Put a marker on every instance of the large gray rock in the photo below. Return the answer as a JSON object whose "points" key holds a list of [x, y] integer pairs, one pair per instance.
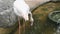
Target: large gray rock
{"points": [[7, 16]]}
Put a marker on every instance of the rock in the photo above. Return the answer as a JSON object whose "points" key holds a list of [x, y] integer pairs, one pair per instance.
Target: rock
{"points": [[7, 16], [8, 19]]}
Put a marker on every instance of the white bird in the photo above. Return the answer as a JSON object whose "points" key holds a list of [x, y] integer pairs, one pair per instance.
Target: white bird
{"points": [[22, 10]]}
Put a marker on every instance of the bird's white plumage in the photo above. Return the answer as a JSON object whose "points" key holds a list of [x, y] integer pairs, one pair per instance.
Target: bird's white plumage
{"points": [[22, 9]]}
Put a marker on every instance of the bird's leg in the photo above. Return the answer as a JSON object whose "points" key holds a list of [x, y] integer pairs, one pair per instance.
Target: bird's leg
{"points": [[19, 24], [31, 18]]}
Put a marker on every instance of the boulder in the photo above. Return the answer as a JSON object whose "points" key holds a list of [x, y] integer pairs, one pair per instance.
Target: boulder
{"points": [[8, 19]]}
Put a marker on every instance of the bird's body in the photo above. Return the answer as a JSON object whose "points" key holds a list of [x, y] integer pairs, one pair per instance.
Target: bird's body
{"points": [[22, 9]]}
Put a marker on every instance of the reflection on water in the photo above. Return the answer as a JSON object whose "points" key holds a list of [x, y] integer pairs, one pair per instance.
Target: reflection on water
{"points": [[55, 16], [58, 27]]}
